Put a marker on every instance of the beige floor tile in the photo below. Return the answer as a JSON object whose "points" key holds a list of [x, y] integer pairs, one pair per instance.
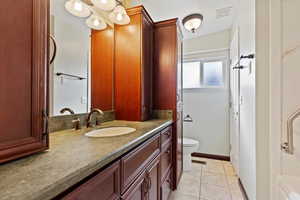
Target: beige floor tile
{"points": [[226, 163], [212, 192], [229, 170], [233, 183], [199, 158], [214, 179], [189, 185], [237, 195], [179, 196], [214, 168]]}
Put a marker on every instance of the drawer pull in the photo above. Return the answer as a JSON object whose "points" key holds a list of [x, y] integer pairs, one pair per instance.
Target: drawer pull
{"points": [[168, 152]]}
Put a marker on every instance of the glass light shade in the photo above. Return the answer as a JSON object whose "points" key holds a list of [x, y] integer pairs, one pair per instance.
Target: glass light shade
{"points": [[119, 16], [106, 5], [77, 8], [96, 22], [192, 22]]}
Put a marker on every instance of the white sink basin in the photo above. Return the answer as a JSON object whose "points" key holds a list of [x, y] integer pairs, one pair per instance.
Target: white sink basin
{"points": [[110, 132]]}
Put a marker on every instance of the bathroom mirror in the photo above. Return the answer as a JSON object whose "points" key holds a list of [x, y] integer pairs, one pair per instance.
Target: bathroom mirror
{"points": [[77, 80]]}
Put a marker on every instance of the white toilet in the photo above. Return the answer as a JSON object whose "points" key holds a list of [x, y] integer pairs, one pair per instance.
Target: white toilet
{"points": [[189, 146]]}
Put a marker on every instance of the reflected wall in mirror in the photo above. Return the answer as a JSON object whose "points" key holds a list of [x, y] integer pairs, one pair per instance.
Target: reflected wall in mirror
{"points": [[78, 80]]}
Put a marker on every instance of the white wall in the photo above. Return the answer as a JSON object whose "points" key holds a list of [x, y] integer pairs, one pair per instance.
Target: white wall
{"points": [[208, 107], [73, 42], [211, 42]]}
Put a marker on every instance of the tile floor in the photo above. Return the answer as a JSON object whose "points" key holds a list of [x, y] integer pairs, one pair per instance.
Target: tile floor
{"points": [[214, 181]]}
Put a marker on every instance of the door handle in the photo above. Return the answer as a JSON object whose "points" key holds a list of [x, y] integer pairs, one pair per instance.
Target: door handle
{"points": [[288, 146], [52, 58]]}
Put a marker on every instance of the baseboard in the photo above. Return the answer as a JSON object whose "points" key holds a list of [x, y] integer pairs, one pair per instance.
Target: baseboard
{"points": [[211, 156], [243, 190]]}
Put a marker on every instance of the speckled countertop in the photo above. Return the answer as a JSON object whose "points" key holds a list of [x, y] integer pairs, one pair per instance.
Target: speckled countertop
{"points": [[71, 158]]}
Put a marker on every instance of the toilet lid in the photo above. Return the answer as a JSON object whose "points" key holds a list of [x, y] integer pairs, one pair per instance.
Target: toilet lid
{"points": [[187, 142]]}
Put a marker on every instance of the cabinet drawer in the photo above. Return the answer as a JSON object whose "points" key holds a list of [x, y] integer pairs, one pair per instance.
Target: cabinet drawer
{"points": [[166, 187], [104, 186], [166, 160], [166, 135], [135, 162]]}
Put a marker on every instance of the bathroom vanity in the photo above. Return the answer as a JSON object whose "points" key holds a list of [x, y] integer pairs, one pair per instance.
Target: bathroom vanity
{"points": [[134, 166]]}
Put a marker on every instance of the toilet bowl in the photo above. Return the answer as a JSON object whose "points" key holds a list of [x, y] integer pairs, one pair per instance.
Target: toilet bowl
{"points": [[189, 146]]}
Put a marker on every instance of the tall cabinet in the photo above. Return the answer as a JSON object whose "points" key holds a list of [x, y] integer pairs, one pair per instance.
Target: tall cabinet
{"points": [[168, 82], [133, 66], [23, 78]]}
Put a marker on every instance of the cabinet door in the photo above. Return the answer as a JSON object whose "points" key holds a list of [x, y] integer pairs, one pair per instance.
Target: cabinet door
{"points": [[104, 186], [153, 180], [136, 191], [166, 187], [147, 67], [23, 77]]}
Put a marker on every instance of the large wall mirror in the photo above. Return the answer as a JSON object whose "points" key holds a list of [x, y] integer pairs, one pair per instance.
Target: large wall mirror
{"points": [[79, 78]]}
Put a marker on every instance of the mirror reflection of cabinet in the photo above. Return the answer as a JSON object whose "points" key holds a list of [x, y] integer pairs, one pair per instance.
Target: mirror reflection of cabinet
{"points": [[102, 69], [133, 66]]}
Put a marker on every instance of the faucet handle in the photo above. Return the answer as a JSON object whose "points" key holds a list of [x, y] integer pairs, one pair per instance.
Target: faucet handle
{"points": [[76, 123]]}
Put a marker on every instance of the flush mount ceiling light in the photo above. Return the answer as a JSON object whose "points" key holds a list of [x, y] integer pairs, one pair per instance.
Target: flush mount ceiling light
{"points": [[100, 12], [192, 22]]}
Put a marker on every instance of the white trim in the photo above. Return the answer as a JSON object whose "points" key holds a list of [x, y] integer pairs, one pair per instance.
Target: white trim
{"points": [[262, 99], [207, 51], [275, 91]]}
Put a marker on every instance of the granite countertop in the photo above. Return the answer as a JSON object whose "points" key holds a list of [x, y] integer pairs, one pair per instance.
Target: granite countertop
{"points": [[71, 157]]}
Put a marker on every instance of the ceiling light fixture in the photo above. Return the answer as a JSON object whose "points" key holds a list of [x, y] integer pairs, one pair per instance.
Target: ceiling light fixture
{"points": [[119, 16], [100, 12], [106, 5], [77, 8], [192, 22], [96, 22]]}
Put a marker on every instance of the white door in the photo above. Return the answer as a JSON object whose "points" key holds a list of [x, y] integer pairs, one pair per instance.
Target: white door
{"points": [[290, 162], [234, 101]]}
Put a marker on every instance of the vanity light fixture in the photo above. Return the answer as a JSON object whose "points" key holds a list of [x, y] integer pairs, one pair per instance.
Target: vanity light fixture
{"points": [[192, 22], [77, 8], [119, 16], [106, 5], [96, 22], [100, 12]]}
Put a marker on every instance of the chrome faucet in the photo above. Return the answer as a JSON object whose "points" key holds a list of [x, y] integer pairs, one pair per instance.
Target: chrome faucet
{"points": [[76, 122], [89, 118]]}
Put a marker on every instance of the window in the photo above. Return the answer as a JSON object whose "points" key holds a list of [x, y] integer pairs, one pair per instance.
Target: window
{"points": [[212, 74], [203, 74], [191, 75]]}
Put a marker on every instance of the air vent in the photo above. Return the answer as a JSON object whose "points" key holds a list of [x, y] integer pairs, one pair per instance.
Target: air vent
{"points": [[223, 12]]}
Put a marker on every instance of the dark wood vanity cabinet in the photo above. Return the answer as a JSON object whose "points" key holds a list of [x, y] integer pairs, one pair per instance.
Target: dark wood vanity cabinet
{"points": [[168, 73], [105, 186], [142, 174], [133, 67], [23, 78], [147, 186]]}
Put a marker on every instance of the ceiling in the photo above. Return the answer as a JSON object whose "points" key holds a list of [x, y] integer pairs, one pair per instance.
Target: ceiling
{"points": [[166, 9]]}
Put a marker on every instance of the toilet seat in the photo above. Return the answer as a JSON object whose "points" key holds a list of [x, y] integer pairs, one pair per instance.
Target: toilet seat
{"points": [[187, 142]]}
